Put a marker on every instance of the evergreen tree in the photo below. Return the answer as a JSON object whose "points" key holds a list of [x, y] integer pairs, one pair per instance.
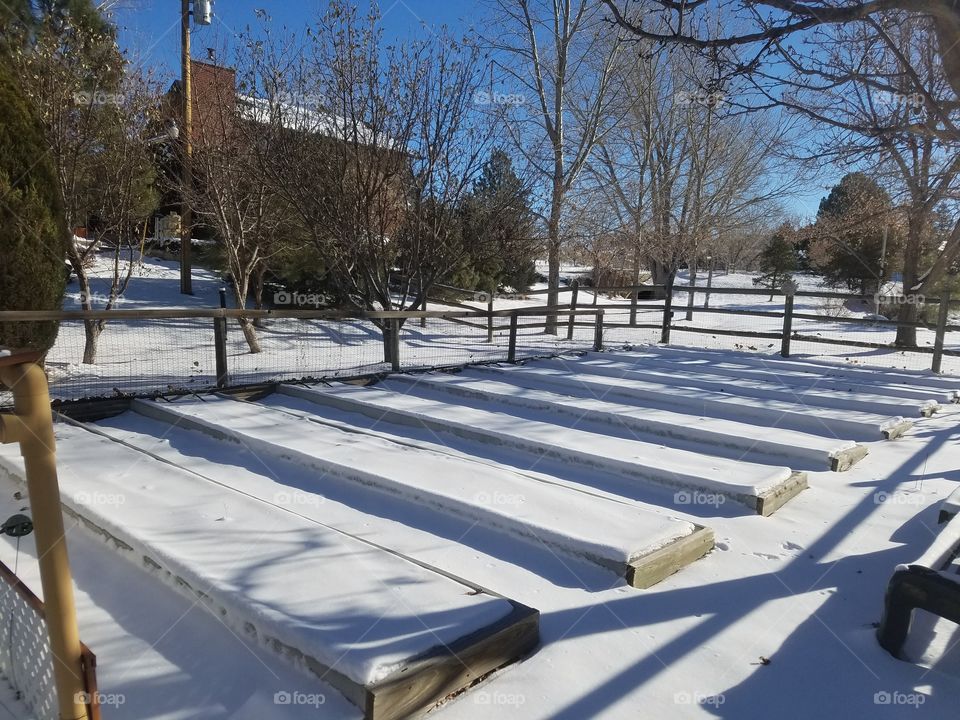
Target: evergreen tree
{"points": [[497, 230], [855, 237], [778, 260], [32, 228]]}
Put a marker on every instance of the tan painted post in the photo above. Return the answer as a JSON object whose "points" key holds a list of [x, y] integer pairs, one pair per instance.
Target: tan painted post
{"points": [[31, 425]]}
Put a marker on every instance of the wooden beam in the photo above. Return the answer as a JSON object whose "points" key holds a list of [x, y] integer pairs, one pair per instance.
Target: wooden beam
{"points": [[650, 569]]}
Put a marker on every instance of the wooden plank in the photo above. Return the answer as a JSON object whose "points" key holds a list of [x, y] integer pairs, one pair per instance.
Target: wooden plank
{"points": [[895, 431], [660, 564], [775, 498], [846, 459], [450, 670]]}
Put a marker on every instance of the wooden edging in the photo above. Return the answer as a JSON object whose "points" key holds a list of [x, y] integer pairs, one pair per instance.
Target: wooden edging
{"points": [[895, 431], [773, 499], [846, 459], [660, 564]]}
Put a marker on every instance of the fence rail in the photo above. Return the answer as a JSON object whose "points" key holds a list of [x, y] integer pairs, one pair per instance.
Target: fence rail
{"points": [[152, 352]]}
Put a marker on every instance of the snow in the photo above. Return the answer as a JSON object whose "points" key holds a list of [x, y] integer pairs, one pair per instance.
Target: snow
{"points": [[508, 502], [366, 618], [847, 424], [810, 451], [638, 461]]}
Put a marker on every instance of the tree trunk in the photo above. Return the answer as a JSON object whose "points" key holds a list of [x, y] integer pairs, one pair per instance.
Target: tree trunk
{"points": [[553, 258], [907, 336], [661, 276], [91, 332], [250, 335], [258, 295]]}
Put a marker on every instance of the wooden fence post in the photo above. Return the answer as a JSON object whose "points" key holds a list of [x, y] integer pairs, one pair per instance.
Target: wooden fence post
{"points": [[490, 315], [598, 332], [512, 346], [220, 343], [942, 318], [634, 297], [789, 289], [667, 314], [574, 290], [395, 344]]}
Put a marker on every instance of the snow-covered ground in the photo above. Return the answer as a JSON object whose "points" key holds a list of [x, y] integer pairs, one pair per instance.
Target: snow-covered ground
{"points": [[777, 621]]}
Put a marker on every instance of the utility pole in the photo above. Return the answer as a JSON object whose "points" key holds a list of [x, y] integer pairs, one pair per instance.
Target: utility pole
{"points": [[202, 16]]}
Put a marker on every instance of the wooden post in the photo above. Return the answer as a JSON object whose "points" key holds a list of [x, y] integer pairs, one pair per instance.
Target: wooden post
{"points": [[220, 343], [490, 315], [667, 313], [574, 291], [598, 332], [692, 292], [942, 317], [395, 344], [789, 288], [634, 297], [512, 346], [186, 189]]}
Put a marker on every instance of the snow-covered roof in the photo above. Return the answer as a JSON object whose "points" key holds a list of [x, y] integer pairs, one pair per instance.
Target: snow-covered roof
{"points": [[310, 120]]}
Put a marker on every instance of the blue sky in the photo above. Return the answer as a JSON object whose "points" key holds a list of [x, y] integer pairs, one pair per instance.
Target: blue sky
{"points": [[150, 29]]}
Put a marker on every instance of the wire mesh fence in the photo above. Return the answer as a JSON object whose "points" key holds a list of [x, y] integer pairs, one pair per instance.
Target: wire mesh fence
{"points": [[170, 353], [151, 353]]}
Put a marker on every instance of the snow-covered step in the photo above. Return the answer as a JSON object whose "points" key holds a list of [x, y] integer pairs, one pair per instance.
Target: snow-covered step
{"points": [[950, 387], [565, 377], [751, 388], [813, 377], [639, 545], [394, 637], [643, 423], [762, 488], [950, 507]]}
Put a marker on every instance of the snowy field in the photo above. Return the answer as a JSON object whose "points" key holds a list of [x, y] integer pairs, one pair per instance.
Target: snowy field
{"points": [[159, 356], [339, 522]]}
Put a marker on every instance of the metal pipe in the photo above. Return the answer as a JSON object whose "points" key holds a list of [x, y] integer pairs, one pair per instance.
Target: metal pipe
{"points": [[32, 426]]}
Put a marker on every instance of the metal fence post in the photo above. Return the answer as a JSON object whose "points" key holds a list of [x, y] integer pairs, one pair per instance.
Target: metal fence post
{"points": [[574, 291], [789, 288], [598, 332], [667, 314], [942, 317], [395, 344], [512, 346]]}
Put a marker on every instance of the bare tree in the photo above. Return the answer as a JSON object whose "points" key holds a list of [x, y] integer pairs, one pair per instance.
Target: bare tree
{"points": [[376, 169], [96, 114], [558, 53]]}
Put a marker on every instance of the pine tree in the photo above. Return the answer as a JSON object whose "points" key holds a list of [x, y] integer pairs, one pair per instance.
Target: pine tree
{"points": [[855, 237], [32, 227], [778, 260]]}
